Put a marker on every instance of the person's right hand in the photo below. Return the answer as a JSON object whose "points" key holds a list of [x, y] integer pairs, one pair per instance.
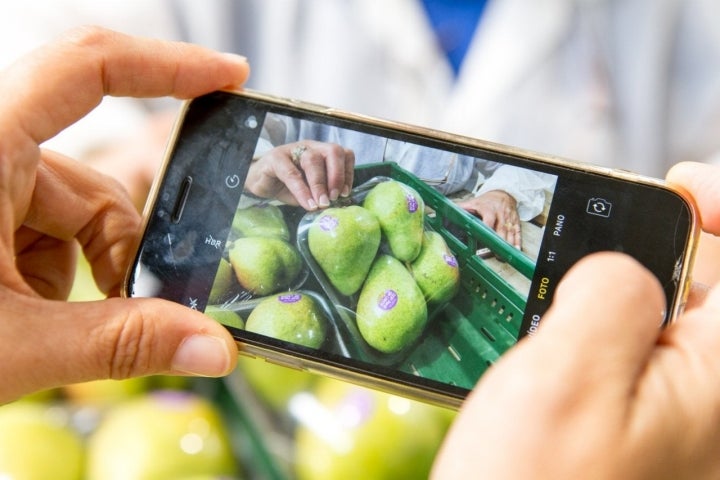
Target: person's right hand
{"points": [[308, 173], [498, 210], [600, 391], [50, 204]]}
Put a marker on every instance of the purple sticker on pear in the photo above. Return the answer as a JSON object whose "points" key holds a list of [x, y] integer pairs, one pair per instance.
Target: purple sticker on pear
{"points": [[412, 203], [290, 298], [450, 260], [328, 223], [388, 299]]}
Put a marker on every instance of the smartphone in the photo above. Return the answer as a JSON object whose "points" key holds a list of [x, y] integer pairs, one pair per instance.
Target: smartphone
{"points": [[399, 284]]}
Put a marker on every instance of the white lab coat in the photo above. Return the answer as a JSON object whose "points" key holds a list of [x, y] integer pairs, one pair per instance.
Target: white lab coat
{"points": [[447, 172], [633, 84]]}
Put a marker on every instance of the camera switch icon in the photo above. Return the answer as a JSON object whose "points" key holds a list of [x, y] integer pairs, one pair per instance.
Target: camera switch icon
{"points": [[599, 207]]}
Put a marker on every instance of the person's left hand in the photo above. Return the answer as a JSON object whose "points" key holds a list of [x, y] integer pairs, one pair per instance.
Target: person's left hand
{"points": [[309, 173], [49, 204], [498, 210]]}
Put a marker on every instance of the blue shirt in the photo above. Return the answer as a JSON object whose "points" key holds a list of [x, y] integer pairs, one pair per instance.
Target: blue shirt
{"points": [[454, 23]]}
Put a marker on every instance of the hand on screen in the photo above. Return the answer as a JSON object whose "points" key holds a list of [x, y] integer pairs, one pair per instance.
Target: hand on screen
{"points": [[308, 173], [498, 210]]}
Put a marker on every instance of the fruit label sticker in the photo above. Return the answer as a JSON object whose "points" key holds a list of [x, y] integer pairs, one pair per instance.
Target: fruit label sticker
{"points": [[412, 203], [388, 299], [328, 223], [290, 298], [450, 260]]}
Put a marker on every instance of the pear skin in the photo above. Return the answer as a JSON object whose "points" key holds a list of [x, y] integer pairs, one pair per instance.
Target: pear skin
{"points": [[292, 317], [436, 269], [391, 311], [262, 220], [344, 241], [226, 317], [264, 265], [400, 210]]}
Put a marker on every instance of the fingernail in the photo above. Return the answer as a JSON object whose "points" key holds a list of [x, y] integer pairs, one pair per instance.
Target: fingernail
{"points": [[234, 57], [324, 202], [312, 204], [346, 191], [334, 194], [202, 355]]}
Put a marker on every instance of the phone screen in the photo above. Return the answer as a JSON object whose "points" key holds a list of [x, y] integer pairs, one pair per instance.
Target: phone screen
{"points": [[400, 281]]}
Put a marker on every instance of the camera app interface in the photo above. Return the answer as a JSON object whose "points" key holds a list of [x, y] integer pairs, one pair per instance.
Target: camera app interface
{"points": [[404, 256], [416, 258]]}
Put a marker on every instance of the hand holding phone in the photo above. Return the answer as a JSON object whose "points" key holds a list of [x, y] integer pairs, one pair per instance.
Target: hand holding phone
{"points": [[52, 204], [566, 400]]}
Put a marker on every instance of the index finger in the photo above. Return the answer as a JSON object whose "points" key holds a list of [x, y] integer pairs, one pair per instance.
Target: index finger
{"points": [[57, 84], [63, 81]]}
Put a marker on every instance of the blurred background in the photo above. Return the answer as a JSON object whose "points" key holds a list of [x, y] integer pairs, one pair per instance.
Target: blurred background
{"points": [[632, 84]]}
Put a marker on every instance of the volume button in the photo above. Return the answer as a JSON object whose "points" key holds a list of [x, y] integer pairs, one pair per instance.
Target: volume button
{"points": [[181, 199]]}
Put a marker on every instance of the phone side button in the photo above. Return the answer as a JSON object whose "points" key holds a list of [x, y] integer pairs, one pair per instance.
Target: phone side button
{"points": [[181, 199]]}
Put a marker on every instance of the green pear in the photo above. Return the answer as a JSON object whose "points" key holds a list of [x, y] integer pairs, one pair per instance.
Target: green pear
{"points": [[436, 269], [400, 210], [264, 265], [391, 311], [344, 242], [225, 316], [292, 317], [388, 437], [262, 220], [36, 442], [274, 384], [163, 434]]}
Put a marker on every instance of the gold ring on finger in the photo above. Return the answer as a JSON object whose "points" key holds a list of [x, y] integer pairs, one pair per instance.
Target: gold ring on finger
{"points": [[297, 153]]}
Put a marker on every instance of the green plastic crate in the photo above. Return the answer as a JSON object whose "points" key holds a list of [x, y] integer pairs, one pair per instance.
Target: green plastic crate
{"points": [[482, 321]]}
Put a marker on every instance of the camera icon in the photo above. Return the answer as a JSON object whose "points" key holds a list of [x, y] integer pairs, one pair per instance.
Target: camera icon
{"points": [[599, 207]]}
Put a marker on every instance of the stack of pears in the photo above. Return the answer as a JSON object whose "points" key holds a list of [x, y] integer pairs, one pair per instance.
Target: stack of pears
{"points": [[395, 288], [391, 270], [263, 262]]}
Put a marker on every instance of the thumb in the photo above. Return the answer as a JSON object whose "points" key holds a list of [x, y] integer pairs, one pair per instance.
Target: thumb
{"points": [[55, 343]]}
